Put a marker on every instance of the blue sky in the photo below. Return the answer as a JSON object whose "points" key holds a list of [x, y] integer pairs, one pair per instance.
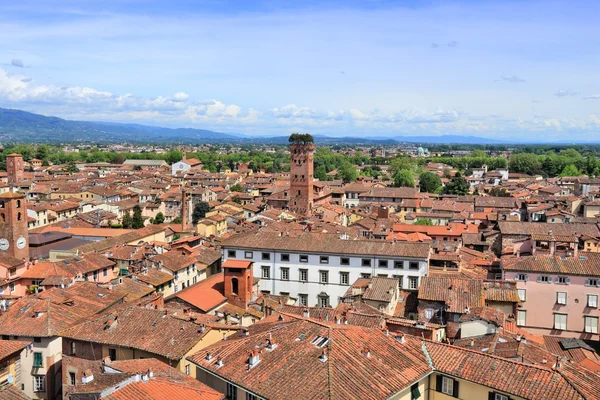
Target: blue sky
{"points": [[502, 69]]}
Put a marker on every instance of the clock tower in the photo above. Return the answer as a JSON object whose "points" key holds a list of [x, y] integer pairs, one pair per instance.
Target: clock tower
{"points": [[14, 239]]}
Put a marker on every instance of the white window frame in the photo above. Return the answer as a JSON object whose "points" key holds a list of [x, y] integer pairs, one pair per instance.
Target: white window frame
{"points": [[522, 294], [561, 298], [344, 278], [285, 274], [521, 317], [590, 327], [324, 274], [448, 386], [413, 280], [498, 396], [304, 272], [303, 299], [266, 269], [560, 321], [324, 304], [39, 383], [592, 300], [248, 255]]}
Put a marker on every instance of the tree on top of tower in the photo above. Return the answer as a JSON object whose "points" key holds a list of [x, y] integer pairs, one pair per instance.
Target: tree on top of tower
{"points": [[301, 138]]}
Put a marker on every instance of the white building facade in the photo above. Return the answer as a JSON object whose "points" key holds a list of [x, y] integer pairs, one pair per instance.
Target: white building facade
{"points": [[319, 276]]}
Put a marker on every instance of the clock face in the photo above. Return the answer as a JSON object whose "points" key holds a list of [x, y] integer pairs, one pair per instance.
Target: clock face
{"points": [[21, 242], [4, 245]]}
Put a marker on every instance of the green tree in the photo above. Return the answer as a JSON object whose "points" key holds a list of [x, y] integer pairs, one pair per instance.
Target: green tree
{"points": [[570, 170], [176, 220], [402, 162], [159, 219], [527, 163], [236, 188], [321, 173], [137, 167], [499, 192], [457, 185], [42, 152], [429, 182], [301, 138], [71, 167], [347, 173], [200, 210], [118, 159], [127, 221], [137, 220], [423, 221], [404, 178]]}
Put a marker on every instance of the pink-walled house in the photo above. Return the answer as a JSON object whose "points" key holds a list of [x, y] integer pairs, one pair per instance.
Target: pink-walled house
{"points": [[559, 294]]}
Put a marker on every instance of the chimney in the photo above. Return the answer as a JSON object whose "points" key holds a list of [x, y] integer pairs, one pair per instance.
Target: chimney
{"points": [[472, 342], [219, 362], [557, 365], [253, 358], [150, 373], [366, 352], [518, 337], [208, 356], [271, 345], [400, 337], [246, 332], [87, 377], [323, 356], [305, 313]]}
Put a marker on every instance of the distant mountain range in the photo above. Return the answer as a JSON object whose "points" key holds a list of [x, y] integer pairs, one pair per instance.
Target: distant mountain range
{"points": [[22, 126]]}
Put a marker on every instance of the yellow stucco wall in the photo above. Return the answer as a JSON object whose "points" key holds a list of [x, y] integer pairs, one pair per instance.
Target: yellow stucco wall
{"points": [[466, 391]]}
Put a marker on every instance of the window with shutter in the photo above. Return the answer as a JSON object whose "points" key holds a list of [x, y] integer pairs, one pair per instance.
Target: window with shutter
{"points": [[37, 360]]}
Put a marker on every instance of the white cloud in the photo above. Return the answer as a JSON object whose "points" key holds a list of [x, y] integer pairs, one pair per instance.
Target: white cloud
{"points": [[180, 97], [592, 97], [17, 63], [512, 79], [566, 93]]}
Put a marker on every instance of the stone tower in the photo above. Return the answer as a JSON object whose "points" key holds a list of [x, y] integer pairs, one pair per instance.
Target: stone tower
{"points": [[14, 241], [238, 282], [14, 169], [301, 178]]}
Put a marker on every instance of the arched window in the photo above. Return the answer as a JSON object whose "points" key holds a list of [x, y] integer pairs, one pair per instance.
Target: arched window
{"points": [[2, 217], [1, 203], [18, 203], [19, 216], [234, 285]]}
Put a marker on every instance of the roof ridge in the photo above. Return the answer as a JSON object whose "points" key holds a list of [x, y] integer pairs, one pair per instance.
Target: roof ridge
{"points": [[490, 355], [569, 382]]}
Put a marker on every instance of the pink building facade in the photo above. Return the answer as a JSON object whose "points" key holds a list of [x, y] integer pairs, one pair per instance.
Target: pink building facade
{"points": [[558, 302]]}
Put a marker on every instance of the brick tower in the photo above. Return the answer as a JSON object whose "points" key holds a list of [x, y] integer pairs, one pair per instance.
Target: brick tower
{"points": [[14, 241], [14, 169], [238, 282], [301, 178]]}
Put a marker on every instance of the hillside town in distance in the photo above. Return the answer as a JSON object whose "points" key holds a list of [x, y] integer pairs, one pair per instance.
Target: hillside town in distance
{"points": [[299, 271]]}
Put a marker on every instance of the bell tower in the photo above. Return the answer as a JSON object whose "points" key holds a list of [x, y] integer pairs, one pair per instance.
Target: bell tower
{"points": [[301, 174], [14, 169], [14, 240], [238, 282]]}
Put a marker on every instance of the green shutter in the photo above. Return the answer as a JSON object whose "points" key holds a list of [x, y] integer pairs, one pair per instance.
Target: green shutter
{"points": [[414, 392], [37, 360]]}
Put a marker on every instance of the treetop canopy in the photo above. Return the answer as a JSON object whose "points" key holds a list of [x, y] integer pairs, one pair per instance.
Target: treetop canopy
{"points": [[301, 138]]}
